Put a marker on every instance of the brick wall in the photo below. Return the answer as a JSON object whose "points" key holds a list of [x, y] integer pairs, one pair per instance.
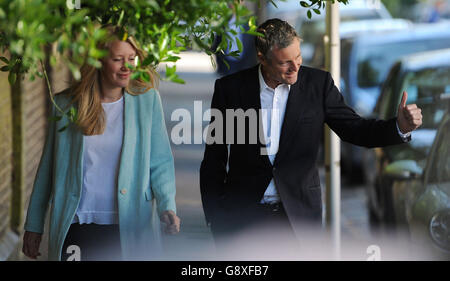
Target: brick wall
{"points": [[5, 153], [34, 98], [36, 104], [23, 126]]}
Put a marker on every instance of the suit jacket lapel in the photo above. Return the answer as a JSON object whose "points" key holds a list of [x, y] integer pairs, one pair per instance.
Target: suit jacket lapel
{"points": [[250, 99], [249, 93], [294, 108]]}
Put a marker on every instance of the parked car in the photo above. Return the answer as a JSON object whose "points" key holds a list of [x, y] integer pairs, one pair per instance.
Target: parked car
{"points": [[312, 33], [426, 78], [366, 60], [370, 56], [424, 193]]}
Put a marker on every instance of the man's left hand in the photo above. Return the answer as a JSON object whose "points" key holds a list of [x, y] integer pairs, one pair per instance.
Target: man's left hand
{"points": [[172, 222], [409, 116]]}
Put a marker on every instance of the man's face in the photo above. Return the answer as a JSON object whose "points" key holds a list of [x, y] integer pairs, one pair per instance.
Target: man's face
{"points": [[281, 66]]}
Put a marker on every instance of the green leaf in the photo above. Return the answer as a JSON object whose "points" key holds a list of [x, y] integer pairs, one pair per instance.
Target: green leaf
{"points": [[135, 75], [273, 3], [170, 70], [153, 4], [145, 76], [73, 114], [239, 45], [304, 4], [63, 128], [53, 61], [309, 14], [254, 33], [317, 11], [226, 63], [119, 23], [4, 68], [5, 60], [176, 79], [12, 78], [75, 71], [172, 58]]}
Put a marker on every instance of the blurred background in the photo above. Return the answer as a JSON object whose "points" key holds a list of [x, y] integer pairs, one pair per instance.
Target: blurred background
{"points": [[397, 198]]}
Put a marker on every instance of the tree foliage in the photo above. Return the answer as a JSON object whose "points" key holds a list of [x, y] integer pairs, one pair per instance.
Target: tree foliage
{"points": [[163, 28]]}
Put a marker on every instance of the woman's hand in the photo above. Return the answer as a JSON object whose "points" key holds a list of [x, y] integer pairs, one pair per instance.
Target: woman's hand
{"points": [[31, 242], [172, 222]]}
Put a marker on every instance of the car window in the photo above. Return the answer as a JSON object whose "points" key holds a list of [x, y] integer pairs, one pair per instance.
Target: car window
{"points": [[424, 87], [387, 95], [440, 168], [374, 61]]}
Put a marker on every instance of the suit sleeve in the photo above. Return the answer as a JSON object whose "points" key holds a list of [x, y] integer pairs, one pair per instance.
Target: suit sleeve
{"points": [[162, 169], [43, 182], [351, 127], [213, 169]]}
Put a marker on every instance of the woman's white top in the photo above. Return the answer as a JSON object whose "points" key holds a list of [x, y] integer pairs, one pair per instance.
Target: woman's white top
{"points": [[98, 203]]}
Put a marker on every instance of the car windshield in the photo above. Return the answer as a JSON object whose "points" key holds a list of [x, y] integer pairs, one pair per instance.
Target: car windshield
{"points": [[440, 170], [374, 61]]}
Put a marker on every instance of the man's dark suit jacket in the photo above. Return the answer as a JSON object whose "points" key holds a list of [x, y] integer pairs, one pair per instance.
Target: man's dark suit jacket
{"points": [[227, 194]]}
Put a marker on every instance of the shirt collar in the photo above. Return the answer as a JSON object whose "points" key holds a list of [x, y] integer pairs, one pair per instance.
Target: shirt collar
{"points": [[263, 85]]}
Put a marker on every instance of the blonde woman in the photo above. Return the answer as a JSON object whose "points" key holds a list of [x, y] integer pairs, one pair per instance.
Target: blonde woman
{"points": [[109, 179]]}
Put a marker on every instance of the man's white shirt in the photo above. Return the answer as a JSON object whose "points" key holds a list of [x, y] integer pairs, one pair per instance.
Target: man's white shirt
{"points": [[273, 105]]}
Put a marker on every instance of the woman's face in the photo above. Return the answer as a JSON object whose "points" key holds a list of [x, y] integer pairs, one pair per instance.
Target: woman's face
{"points": [[114, 72]]}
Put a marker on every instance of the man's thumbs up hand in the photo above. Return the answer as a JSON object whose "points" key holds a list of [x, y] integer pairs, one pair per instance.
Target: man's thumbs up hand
{"points": [[409, 116]]}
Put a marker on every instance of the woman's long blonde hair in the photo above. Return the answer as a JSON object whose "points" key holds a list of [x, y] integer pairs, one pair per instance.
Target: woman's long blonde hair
{"points": [[91, 116]]}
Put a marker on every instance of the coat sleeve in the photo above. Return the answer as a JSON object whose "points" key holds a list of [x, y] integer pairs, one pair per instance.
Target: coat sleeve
{"points": [[213, 171], [43, 183], [351, 127], [162, 169]]}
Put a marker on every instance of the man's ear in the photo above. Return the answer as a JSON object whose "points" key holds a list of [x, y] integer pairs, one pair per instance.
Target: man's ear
{"points": [[261, 58]]}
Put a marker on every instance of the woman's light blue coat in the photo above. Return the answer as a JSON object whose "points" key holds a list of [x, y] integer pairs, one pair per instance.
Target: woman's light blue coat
{"points": [[146, 173]]}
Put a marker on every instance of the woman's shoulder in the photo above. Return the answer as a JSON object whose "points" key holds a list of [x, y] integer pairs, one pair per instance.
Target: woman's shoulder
{"points": [[152, 92], [149, 95], [63, 98]]}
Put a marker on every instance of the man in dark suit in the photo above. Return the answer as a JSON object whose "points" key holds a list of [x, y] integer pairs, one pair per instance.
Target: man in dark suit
{"points": [[273, 183]]}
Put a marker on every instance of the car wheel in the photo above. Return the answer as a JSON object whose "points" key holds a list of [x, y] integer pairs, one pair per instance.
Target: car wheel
{"points": [[388, 205]]}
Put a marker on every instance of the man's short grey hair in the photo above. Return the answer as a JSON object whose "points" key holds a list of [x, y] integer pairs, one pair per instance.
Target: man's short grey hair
{"points": [[277, 33]]}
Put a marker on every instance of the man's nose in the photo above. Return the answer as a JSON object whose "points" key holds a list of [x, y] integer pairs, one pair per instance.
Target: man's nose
{"points": [[294, 67]]}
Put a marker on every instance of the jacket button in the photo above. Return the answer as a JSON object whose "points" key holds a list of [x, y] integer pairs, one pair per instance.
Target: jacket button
{"points": [[123, 191]]}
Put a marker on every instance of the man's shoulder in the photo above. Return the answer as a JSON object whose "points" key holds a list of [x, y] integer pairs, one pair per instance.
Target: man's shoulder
{"points": [[311, 71], [244, 74]]}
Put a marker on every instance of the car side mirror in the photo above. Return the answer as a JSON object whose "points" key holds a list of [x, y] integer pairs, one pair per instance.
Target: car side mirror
{"points": [[403, 170]]}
